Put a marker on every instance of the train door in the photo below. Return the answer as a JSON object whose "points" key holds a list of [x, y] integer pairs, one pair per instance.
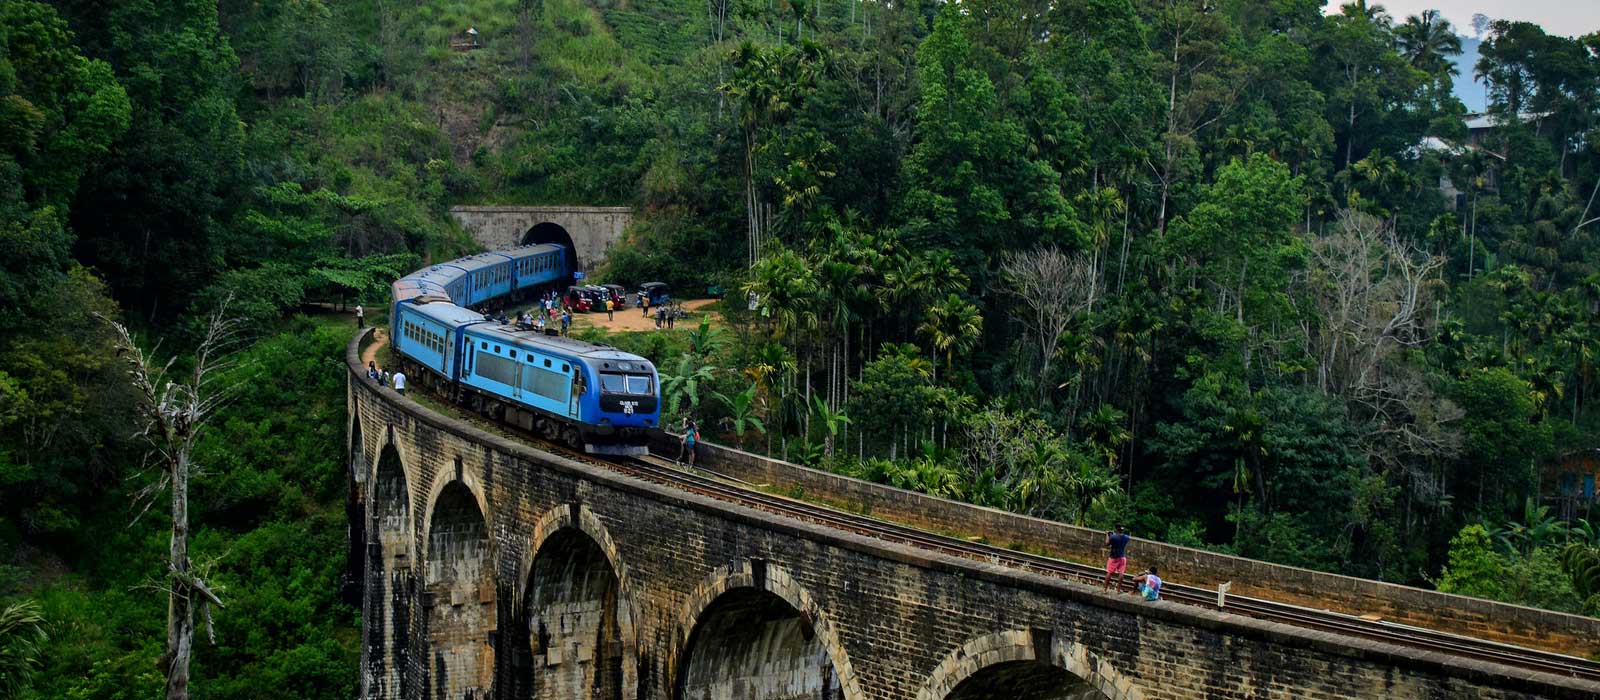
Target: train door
{"points": [[577, 391], [450, 354], [516, 377]]}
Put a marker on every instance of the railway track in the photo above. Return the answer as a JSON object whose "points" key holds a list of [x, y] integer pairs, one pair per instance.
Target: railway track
{"points": [[659, 470]]}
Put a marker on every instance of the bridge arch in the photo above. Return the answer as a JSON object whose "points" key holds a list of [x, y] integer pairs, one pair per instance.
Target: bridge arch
{"points": [[551, 232], [1026, 665], [755, 615], [575, 615]]}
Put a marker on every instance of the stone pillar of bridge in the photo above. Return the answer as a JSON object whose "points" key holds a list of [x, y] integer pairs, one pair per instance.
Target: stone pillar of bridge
{"points": [[459, 598], [390, 582]]}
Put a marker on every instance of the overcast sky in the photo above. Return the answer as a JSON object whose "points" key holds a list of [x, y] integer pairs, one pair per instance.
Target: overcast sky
{"points": [[1568, 17]]}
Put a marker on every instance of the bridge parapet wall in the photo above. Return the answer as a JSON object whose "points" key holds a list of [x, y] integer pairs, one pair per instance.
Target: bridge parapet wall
{"points": [[891, 622], [1475, 617]]}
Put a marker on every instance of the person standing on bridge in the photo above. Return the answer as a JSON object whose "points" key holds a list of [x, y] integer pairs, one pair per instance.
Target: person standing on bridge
{"points": [[361, 317], [400, 382], [1116, 557], [691, 438]]}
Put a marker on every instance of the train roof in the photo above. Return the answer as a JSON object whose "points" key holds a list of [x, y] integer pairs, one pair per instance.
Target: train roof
{"points": [[472, 263], [531, 249], [411, 288], [441, 309], [571, 346]]}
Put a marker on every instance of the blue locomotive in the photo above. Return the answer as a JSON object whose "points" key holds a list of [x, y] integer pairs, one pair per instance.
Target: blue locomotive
{"points": [[585, 395]]}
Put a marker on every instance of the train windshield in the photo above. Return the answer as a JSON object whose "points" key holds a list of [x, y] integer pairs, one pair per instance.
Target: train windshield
{"points": [[625, 384]]}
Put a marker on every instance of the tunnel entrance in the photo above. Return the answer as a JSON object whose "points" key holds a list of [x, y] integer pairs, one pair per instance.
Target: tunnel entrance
{"points": [[569, 642], [547, 232], [459, 597], [1023, 680], [753, 645]]}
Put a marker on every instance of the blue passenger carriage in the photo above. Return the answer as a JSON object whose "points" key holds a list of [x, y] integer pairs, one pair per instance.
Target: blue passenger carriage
{"points": [[587, 395]]}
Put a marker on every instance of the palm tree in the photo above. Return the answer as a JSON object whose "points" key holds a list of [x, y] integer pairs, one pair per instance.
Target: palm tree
{"points": [[1427, 40], [742, 413], [1376, 14], [21, 634], [787, 288], [953, 326]]}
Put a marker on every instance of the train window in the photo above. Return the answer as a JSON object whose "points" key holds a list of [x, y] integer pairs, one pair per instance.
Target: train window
{"points": [[565, 368], [638, 384], [513, 354], [547, 362], [497, 348]]}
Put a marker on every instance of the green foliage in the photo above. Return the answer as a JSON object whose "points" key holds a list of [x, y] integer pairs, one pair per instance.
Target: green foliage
{"points": [[22, 631], [275, 468], [1535, 578], [1224, 379]]}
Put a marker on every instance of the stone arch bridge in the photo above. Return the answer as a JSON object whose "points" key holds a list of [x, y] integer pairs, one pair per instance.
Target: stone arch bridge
{"points": [[489, 569], [589, 231]]}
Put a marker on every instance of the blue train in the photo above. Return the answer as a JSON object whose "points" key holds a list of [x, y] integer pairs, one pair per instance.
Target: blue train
{"points": [[592, 397]]}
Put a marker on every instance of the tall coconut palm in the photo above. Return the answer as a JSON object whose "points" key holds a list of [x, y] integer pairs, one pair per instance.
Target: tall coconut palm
{"points": [[1427, 41]]}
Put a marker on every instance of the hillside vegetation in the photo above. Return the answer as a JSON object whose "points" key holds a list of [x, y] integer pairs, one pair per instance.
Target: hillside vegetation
{"points": [[1233, 272]]}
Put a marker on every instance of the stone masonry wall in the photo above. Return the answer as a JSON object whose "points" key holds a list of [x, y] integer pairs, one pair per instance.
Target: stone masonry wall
{"points": [[593, 229], [1476, 617], [893, 622]]}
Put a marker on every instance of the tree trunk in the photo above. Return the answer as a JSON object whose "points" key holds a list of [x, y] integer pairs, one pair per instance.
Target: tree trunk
{"points": [[180, 606]]}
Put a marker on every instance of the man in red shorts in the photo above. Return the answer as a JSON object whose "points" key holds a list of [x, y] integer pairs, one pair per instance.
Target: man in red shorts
{"points": [[1116, 557]]}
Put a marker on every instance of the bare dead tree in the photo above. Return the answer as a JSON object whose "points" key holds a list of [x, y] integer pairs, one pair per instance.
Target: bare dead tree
{"points": [[1372, 293], [173, 414], [1053, 288]]}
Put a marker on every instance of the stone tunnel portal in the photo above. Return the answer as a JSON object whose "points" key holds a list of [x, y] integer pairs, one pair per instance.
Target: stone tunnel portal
{"points": [[569, 642], [547, 232], [460, 596], [753, 644]]}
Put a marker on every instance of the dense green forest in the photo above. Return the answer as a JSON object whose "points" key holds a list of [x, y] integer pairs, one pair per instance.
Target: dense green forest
{"points": [[1235, 272]]}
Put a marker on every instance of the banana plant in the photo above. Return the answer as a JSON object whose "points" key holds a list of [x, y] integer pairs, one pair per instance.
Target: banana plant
{"points": [[830, 420], [682, 384], [742, 412]]}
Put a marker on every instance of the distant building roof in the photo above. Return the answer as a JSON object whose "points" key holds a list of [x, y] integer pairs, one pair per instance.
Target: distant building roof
{"points": [[1485, 120]]}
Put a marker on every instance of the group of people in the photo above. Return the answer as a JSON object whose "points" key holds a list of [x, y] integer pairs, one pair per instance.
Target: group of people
{"points": [[382, 376], [551, 308], [1148, 584]]}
